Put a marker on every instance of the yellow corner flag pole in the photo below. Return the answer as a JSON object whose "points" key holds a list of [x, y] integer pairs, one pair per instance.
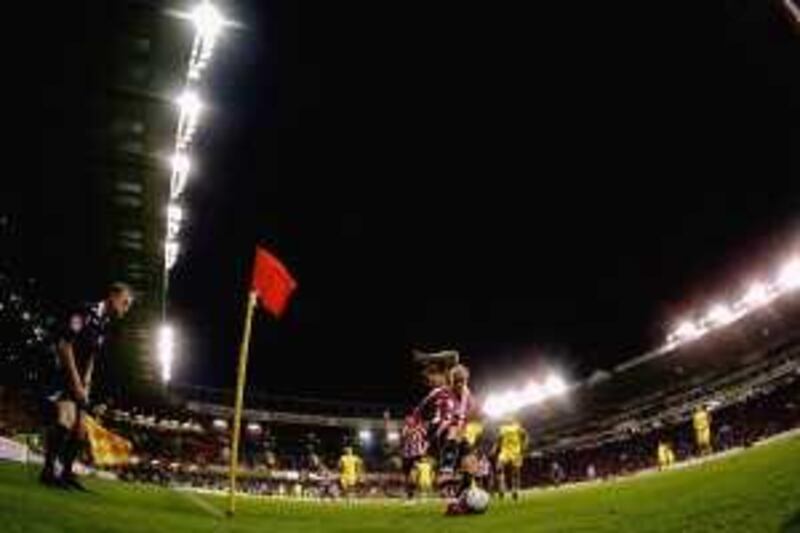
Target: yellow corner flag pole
{"points": [[237, 416]]}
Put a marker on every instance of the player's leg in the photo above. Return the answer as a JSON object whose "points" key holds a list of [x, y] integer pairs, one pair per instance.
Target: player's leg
{"points": [[469, 467], [516, 479], [55, 434], [408, 470], [704, 442], [449, 456], [347, 487], [501, 477], [73, 446]]}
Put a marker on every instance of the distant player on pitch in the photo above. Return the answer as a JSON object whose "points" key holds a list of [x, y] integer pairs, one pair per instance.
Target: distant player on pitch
{"points": [[512, 442], [701, 420], [351, 469]]}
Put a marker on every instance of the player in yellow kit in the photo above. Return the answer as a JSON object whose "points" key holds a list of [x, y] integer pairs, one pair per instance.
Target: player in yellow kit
{"points": [[512, 442], [701, 420], [424, 475], [350, 469], [666, 457]]}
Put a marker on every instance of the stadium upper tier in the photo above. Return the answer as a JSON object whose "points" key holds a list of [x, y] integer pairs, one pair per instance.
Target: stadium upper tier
{"points": [[755, 351]]}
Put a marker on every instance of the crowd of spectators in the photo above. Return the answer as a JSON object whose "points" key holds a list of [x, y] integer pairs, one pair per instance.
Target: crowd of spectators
{"points": [[174, 446]]}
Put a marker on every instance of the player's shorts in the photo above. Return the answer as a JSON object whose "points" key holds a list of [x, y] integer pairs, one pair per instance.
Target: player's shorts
{"points": [[703, 437], [59, 407], [466, 448], [408, 464], [348, 482], [509, 459], [426, 485]]}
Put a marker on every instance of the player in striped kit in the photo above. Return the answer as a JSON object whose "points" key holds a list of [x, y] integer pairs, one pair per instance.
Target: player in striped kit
{"points": [[414, 440]]}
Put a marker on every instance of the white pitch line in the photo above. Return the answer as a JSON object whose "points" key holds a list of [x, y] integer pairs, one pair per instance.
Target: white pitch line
{"points": [[201, 503]]}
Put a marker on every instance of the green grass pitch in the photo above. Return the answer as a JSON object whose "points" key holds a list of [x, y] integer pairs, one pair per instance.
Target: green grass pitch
{"points": [[757, 491]]}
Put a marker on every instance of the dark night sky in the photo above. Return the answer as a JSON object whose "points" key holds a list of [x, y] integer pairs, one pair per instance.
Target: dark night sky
{"points": [[543, 187], [531, 187]]}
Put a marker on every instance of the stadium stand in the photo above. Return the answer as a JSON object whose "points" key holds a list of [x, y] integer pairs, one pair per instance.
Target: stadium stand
{"points": [[749, 375]]}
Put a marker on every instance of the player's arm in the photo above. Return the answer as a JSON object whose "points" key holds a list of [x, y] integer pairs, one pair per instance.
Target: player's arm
{"points": [[417, 413], [87, 376], [66, 357], [524, 438]]}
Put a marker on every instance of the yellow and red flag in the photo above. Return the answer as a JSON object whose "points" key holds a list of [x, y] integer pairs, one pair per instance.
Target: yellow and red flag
{"points": [[108, 448]]}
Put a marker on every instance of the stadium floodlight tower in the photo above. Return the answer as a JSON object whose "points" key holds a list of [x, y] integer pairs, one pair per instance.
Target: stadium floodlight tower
{"points": [[209, 25]]}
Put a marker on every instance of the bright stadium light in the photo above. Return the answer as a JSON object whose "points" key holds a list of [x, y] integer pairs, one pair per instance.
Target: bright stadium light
{"points": [[499, 405], [554, 386], [174, 219], [493, 407], [207, 20], [757, 295], [166, 351], [365, 436], [220, 424], [174, 213], [171, 250], [534, 393], [181, 164], [254, 428], [687, 330], [190, 104], [393, 436], [789, 276], [720, 315]]}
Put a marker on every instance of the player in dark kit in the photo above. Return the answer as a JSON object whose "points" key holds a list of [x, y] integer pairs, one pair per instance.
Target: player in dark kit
{"points": [[79, 342]]}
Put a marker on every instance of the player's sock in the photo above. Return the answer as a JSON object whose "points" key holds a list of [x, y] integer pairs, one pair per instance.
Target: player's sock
{"points": [[466, 482], [54, 443], [501, 487], [72, 448], [449, 456]]}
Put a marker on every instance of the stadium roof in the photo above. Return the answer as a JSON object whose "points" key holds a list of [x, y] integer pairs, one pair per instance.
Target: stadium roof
{"points": [[732, 355]]}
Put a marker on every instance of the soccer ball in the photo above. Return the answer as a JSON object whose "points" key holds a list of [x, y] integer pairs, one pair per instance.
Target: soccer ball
{"points": [[477, 500]]}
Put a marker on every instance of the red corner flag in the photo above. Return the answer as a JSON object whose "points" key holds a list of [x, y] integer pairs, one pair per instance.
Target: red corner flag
{"points": [[272, 282]]}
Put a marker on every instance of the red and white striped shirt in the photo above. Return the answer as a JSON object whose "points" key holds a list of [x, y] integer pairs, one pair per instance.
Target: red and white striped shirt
{"points": [[414, 438], [448, 409]]}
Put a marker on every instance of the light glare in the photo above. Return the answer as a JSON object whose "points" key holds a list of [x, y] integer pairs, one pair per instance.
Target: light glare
{"points": [[166, 351], [789, 277], [756, 295], [501, 404], [180, 164], [189, 103], [207, 20], [720, 315]]}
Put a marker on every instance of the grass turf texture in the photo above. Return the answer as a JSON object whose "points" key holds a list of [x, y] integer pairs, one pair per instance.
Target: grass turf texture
{"points": [[757, 491]]}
